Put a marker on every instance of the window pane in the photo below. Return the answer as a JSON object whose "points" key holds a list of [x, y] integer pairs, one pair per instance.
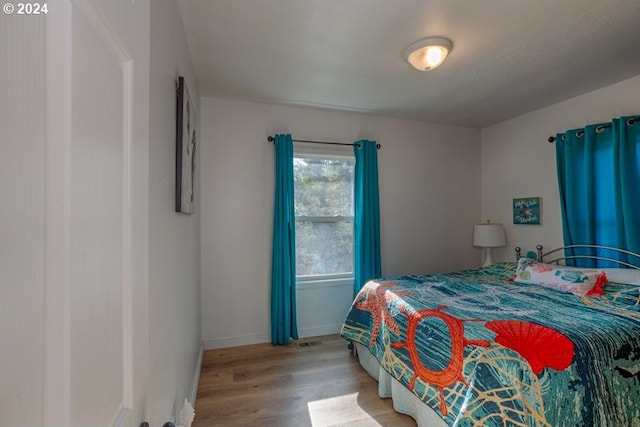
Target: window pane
{"points": [[323, 198], [324, 248], [323, 187]]}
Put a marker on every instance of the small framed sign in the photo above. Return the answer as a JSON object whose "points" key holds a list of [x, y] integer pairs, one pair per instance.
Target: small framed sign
{"points": [[527, 210]]}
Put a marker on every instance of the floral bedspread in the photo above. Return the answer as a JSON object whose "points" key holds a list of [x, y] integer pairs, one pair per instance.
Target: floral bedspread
{"points": [[481, 350]]}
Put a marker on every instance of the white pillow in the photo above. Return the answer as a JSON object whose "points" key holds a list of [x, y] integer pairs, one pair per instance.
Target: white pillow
{"points": [[578, 281]]}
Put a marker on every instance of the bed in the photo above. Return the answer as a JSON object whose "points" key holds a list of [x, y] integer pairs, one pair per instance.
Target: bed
{"points": [[527, 343]]}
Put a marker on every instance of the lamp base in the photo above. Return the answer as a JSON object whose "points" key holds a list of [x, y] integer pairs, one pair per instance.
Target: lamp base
{"points": [[487, 257]]}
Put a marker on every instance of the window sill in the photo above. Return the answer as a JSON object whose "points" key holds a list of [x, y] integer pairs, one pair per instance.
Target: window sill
{"points": [[325, 283]]}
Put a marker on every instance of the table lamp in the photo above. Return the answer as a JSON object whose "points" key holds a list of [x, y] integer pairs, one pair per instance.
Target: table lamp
{"points": [[489, 235]]}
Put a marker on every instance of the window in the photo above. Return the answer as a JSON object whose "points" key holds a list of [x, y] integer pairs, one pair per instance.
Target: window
{"points": [[323, 187]]}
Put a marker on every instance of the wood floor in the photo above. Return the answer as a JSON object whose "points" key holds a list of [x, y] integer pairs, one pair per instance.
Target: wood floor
{"points": [[319, 385]]}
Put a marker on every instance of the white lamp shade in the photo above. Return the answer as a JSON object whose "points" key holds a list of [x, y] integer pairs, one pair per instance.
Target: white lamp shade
{"points": [[489, 236]]}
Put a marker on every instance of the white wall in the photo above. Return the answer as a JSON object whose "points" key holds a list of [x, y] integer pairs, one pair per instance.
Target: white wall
{"points": [[517, 161], [429, 195], [22, 153], [174, 238], [139, 195]]}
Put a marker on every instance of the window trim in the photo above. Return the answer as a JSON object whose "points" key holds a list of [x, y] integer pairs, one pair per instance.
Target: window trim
{"points": [[337, 282], [326, 277], [323, 151]]}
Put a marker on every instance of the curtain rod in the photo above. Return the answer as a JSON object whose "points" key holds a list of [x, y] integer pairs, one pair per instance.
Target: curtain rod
{"points": [[272, 139], [552, 139], [630, 122]]}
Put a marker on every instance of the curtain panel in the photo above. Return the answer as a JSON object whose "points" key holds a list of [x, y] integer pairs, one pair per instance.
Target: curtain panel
{"points": [[599, 182], [283, 266], [366, 228]]}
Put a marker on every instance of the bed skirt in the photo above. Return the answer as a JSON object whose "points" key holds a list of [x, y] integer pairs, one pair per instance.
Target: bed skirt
{"points": [[404, 401]]}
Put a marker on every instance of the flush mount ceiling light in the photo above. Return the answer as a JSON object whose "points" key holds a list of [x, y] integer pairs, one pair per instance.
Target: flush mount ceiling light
{"points": [[427, 54]]}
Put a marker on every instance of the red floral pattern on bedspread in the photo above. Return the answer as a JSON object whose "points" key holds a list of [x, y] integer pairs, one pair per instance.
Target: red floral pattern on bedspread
{"points": [[375, 303]]}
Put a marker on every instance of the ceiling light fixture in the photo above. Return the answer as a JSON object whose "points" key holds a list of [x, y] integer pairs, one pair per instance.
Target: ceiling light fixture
{"points": [[427, 54]]}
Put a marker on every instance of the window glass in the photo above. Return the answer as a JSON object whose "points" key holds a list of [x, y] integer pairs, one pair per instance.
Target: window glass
{"points": [[324, 215]]}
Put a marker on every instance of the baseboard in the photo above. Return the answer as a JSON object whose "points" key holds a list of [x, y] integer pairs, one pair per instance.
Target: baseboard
{"points": [[315, 331], [236, 341], [318, 331]]}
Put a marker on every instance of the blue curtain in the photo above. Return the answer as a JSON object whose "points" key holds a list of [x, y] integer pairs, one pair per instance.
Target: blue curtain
{"points": [[366, 228], [599, 180], [283, 266]]}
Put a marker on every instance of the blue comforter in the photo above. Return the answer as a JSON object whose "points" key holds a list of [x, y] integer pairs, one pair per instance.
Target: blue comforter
{"points": [[481, 350]]}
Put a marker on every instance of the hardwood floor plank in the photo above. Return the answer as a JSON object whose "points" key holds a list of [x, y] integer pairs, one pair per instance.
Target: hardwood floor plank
{"points": [[321, 385]]}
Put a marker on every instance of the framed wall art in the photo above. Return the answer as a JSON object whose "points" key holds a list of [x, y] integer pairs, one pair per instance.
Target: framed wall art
{"points": [[527, 210], [186, 126]]}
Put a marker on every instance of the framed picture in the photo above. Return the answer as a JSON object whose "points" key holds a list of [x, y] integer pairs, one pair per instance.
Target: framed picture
{"points": [[527, 210], [185, 148]]}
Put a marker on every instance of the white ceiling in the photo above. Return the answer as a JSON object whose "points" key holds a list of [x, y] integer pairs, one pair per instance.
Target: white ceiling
{"points": [[509, 57]]}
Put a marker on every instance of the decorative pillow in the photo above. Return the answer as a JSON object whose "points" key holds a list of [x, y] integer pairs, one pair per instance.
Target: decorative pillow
{"points": [[571, 280]]}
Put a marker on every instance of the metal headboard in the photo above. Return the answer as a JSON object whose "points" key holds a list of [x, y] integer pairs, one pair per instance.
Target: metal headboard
{"points": [[540, 255]]}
